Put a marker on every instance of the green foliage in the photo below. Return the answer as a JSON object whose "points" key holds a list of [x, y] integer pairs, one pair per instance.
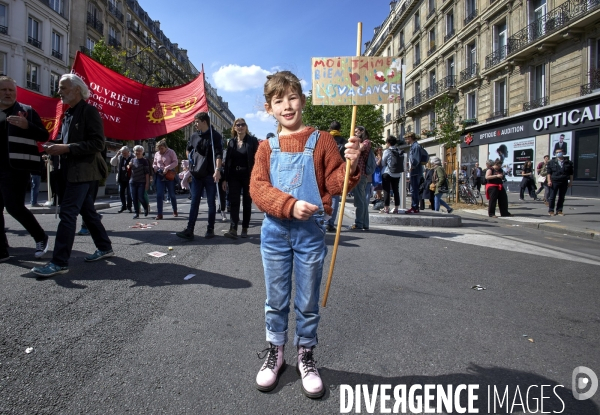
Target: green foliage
{"points": [[226, 133], [369, 116], [108, 56], [177, 142], [446, 116]]}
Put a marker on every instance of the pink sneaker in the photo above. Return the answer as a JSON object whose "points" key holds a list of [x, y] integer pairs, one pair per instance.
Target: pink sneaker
{"points": [[268, 375], [312, 385]]}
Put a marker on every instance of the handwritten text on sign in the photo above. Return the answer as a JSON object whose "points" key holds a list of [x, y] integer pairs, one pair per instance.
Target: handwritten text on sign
{"points": [[356, 80]]}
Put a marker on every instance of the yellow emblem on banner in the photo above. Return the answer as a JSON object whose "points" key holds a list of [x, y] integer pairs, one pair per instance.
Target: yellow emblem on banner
{"points": [[162, 112], [50, 123]]}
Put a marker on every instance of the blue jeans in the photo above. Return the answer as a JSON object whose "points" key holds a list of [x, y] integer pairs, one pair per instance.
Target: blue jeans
{"points": [[196, 187], [137, 190], [160, 193], [35, 188], [361, 204], [297, 245], [335, 205], [414, 190], [439, 201], [78, 199]]}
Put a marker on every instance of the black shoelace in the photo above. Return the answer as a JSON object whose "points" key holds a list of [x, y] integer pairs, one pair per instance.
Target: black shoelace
{"points": [[309, 362], [270, 354]]}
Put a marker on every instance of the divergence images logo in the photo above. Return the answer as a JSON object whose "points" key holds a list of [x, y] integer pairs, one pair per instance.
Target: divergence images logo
{"points": [[585, 383]]}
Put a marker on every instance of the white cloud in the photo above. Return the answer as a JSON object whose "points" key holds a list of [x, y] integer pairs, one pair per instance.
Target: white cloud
{"points": [[262, 116], [234, 78]]}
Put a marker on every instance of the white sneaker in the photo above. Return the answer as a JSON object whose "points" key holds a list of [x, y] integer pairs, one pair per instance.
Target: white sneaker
{"points": [[41, 247], [223, 216], [268, 375], [312, 385]]}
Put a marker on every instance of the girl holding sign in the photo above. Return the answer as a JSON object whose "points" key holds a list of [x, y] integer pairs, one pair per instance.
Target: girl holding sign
{"points": [[293, 180]]}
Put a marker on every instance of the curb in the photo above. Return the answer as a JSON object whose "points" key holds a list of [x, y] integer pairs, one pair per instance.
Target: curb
{"points": [[425, 219]]}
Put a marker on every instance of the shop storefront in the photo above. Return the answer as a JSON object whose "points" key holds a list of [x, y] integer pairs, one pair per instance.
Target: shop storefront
{"points": [[574, 128]]}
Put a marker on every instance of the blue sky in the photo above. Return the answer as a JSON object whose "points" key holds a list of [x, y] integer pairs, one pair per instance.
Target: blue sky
{"points": [[240, 42]]}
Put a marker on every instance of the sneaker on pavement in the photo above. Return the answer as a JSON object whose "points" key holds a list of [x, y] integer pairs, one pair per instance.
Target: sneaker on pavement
{"points": [[223, 216], [551, 213], [330, 228], [83, 231], [186, 234], [41, 247], [4, 256], [98, 255], [231, 233], [49, 270], [560, 213], [268, 375], [210, 233], [312, 385], [450, 210], [244, 233]]}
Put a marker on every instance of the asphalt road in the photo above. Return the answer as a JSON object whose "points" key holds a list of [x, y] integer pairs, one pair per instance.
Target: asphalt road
{"points": [[130, 335]]}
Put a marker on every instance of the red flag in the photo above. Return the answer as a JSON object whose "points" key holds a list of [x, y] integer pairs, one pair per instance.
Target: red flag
{"points": [[133, 111], [49, 109]]}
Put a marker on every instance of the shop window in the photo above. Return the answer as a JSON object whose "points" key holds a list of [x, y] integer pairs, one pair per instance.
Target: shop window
{"points": [[586, 155]]}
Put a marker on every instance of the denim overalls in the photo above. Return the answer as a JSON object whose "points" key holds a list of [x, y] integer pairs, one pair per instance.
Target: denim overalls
{"points": [[292, 243]]}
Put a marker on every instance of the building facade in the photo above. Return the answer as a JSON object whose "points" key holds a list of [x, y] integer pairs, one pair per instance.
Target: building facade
{"points": [[34, 43], [522, 73]]}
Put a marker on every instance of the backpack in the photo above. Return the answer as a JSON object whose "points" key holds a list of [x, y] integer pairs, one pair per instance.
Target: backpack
{"points": [[395, 162], [423, 155], [371, 164]]}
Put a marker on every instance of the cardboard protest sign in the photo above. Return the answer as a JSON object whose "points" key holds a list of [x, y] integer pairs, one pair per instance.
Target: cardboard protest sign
{"points": [[357, 80]]}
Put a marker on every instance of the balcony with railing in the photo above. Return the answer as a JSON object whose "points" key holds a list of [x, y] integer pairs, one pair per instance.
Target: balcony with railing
{"points": [[34, 42], [112, 41], [594, 85], [431, 50], [34, 86], [497, 115], [471, 17], [536, 103], [112, 9], [449, 35], [469, 73], [547, 26], [95, 23], [496, 57], [3, 30], [57, 54], [400, 113], [447, 84]]}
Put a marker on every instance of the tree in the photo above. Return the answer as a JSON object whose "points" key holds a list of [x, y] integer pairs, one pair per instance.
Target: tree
{"points": [[448, 134], [321, 116], [108, 56]]}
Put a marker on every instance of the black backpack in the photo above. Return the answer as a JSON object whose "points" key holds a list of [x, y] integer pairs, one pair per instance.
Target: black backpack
{"points": [[395, 162]]}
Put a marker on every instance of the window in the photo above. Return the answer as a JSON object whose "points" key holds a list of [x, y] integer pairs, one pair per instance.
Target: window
{"points": [[128, 17], [417, 22], [432, 120], [54, 78], [431, 7], [401, 39], [93, 12], [418, 126], [432, 79], [471, 56], [432, 40], [57, 6], [500, 37], [449, 25], [417, 53], [538, 82], [471, 9], [500, 97], [450, 72], [417, 87], [471, 106], [56, 45], [3, 20], [32, 76], [90, 43], [3, 68], [34, 32]]}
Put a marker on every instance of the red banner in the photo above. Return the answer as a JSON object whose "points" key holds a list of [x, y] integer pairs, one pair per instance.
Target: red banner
{"points": [[133, 111], [49, 109]]}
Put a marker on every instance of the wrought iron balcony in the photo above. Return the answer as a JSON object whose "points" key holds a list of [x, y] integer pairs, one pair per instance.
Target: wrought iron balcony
{"points": [[413, 102], [449, 35], [471, 17], [112, 41], [34, 42], [496, 115], [469, 73], [431, 50], [3, 30], [496, 57], [594, 77], [401, 112], [33, 85], [469, 121], [536, 103], [112, 8], [437, 88], [95, 23], [56, 54]]}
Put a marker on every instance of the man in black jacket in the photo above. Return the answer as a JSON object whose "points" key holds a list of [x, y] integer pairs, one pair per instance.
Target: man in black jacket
{"points": [[560, 178], [121, 161], [205, 173], [20, 130], [79, 146]]}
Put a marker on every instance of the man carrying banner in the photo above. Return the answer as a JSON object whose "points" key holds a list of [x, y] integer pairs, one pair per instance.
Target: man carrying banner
{"points": [[20, 130], [205, 152], [81, 167]]}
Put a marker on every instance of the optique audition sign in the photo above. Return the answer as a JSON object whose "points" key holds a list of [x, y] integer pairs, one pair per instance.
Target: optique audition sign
{"points": [[357, 80]]}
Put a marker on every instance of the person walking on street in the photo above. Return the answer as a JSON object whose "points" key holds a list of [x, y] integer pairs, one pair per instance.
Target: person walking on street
{"points": [[139, 171], [82, 166], [415, 169], [560, 177], [542, 172], [165, 162], [439, 180], [21, 128], [361, 221], [121, 162], [527, 182], [476, 174], [205, 148], [334, 129], [390, 179], [239, 162], [495, 190]]}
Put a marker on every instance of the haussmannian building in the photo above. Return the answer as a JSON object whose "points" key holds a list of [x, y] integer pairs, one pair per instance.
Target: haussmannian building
{"points": [[524, 75]]}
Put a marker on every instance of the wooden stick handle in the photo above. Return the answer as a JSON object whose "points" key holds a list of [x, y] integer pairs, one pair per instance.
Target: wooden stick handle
{"points": [[345, 191]]}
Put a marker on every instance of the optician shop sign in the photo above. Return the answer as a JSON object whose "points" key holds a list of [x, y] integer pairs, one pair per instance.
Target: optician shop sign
{"points": [[562, 119]]}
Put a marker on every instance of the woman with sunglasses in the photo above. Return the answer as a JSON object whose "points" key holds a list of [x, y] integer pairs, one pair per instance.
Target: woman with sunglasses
{"points": [[239, 162]]}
